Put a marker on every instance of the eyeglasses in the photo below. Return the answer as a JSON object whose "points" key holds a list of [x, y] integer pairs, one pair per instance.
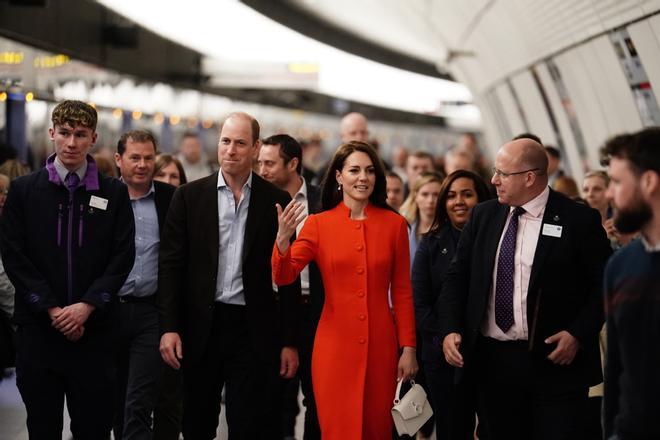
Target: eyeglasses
{"points": [[503, 175]]}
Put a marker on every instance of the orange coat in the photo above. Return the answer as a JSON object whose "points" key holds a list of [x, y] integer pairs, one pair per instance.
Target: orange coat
{"points": [[356, 350]]}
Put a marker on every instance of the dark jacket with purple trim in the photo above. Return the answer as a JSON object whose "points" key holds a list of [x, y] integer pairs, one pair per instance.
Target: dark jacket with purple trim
{"points": [[60, 249]]}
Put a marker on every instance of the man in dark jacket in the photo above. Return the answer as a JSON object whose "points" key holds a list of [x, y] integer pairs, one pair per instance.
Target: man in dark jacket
{"points": [[219, 315], [67, 245], [139, 359], [521, 303], [280, 163], [632, 289]]}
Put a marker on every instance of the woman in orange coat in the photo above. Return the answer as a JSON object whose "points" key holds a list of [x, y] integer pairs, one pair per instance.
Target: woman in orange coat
{"points": [[361, 248]]}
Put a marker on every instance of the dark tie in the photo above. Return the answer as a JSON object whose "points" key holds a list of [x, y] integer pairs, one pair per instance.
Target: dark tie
{"points": [[72, 180], [504, 281]]}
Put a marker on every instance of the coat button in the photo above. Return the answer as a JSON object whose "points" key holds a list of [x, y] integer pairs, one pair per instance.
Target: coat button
{"points": [[362, 317], [362, 340], [360, 270], [359, 247], [360, 294], [358, 225]]}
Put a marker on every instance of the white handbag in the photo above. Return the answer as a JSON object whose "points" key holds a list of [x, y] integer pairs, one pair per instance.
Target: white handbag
{"points": [[411, 411]]}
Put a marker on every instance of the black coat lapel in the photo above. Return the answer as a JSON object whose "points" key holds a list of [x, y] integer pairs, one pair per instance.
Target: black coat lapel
{"points": [[494, 234], [313, 199], [161, 199], [208, 210], [256, 212], [544, 246]]}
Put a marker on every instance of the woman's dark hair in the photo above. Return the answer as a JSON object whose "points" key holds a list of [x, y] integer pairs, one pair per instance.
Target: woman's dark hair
{"points": [[441, 216], [331, 195]]}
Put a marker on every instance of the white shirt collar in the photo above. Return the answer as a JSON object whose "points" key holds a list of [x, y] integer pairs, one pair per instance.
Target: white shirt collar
{"points": [[302, 191], [222, 183]]}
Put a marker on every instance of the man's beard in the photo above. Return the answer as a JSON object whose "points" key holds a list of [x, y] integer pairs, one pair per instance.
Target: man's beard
{"points": [[628, 220]]}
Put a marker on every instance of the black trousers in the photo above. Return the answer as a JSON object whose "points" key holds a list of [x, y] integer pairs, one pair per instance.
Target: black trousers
{"points": [[308, 323], [138, 368], [252, 384], [168, 412], [454, 405], [48, 368], [526, 397]]}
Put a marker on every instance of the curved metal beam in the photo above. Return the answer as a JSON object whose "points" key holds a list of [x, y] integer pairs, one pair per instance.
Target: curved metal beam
{"points": [[289, 14]]}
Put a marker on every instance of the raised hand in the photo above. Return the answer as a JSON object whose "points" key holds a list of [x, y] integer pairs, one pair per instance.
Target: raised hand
{"points": [[287, 221]]}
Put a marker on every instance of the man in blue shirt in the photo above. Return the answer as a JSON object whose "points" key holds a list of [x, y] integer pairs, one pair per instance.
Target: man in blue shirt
{"points": [[67, 246], [139, 359], [219, 317]]}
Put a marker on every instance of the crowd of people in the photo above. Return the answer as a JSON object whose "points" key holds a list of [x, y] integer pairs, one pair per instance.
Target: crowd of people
{"points": [[141, 288]]}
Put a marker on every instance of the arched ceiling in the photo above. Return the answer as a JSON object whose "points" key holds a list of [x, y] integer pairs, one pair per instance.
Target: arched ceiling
{"points": [[478, 42]]}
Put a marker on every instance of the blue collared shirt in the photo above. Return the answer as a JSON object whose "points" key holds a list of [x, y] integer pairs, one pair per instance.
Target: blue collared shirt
{"points": [[231, 220], [143, 279]]}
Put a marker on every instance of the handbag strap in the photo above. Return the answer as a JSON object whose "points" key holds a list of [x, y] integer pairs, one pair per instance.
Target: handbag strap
{"points": [[398, 390]]}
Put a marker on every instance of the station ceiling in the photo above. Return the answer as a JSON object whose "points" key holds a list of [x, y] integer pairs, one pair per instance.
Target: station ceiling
{"points": [[476, 42], [117, 34]]}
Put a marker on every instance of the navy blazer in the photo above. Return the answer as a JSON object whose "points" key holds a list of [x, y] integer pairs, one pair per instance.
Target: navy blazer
{"points": [[430, 265]]}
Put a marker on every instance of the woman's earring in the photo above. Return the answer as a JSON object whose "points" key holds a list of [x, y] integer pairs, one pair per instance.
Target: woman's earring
{"points": [[339, 187]]}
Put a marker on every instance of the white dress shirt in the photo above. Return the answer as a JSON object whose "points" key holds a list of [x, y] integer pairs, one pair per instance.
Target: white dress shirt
{"points": [[529, 228]]}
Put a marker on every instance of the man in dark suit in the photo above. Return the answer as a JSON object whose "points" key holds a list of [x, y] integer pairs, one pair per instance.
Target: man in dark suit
{"points": [[139, 362], [220, 317], [280, 162], [521, 305]]}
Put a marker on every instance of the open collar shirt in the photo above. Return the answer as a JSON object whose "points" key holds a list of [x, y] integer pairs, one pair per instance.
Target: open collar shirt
{"points": [[143, 279], [232, 218]]}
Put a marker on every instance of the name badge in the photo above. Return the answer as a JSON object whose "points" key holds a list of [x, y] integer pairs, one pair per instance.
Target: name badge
{"points": [[98, 202], [552, 230]]}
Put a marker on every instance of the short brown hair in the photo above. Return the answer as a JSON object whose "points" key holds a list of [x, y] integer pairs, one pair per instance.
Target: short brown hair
{"points": [[289, 148], [639, 149], [142, 136], [419, 154], [74, 113]]}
